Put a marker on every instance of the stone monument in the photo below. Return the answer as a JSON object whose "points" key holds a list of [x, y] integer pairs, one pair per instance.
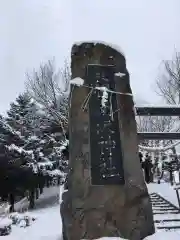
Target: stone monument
{"points": [[107, 195]]}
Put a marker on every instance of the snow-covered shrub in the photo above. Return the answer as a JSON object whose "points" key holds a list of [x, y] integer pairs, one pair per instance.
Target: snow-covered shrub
{"points": [[55, 173], [5, 226], [14, 217], [22, 219], [4, 208]]}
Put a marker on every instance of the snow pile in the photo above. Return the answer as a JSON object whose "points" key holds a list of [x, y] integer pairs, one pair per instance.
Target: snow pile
{"points": [[22, 219], [5, 226], [16, 219], [5, 222], [77, 81]]}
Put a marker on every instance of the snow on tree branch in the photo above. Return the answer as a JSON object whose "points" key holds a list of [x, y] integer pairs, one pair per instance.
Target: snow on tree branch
{"points": [[50, 88], [9, 129], [19, 149]]}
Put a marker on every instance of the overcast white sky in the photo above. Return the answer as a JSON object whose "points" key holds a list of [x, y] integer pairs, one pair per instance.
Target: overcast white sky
{"points": [[33, 31]]}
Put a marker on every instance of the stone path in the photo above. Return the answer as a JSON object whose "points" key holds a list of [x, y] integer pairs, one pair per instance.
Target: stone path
{"points": [[166, 215]]}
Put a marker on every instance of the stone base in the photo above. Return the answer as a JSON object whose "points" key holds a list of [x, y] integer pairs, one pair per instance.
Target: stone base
{"points": [[110, 219]]}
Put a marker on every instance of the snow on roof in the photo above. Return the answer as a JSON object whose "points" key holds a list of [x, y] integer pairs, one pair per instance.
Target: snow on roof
{"points": [[111, 45]]}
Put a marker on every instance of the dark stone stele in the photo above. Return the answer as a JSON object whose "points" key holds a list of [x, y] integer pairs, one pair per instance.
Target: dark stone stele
{"points": [[105, 147], [96, 204]]}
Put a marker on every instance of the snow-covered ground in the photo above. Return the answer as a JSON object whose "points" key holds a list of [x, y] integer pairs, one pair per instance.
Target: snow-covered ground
{"points": [[165, 190], [48, 223], [47, 226]]}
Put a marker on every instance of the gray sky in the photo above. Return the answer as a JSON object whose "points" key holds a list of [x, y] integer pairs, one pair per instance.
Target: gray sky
{"points": [[33, 31]]}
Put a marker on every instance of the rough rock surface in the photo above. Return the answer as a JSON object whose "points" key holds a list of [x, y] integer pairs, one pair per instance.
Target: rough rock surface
{"points": [[91, 212]]}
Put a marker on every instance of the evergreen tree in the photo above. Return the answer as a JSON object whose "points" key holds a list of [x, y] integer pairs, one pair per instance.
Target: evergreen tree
{"points": [[18, 141], [27, 136], [12, 158], [10, 140], [23, 117]]}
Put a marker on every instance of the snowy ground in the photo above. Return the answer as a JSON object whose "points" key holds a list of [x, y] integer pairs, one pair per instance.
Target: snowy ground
{"points": [[47, 226], [165, 190], [48, 223]]}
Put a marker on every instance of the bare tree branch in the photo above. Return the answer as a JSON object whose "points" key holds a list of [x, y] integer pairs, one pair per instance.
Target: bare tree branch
{"points": [[49, 88], [168, 86]]}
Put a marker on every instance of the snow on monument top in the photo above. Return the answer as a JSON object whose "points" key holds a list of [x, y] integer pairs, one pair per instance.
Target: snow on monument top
{"points": [[113, 46]]}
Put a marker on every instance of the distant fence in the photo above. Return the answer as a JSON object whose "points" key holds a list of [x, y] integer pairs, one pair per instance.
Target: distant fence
{"points": [[4, 208], [19, 206]]}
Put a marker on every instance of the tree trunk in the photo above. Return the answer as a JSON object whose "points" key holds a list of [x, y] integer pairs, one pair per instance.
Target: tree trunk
{"points": [[41, 189], [37, 193], [32, 199], [11, 201], [58, 180]]}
